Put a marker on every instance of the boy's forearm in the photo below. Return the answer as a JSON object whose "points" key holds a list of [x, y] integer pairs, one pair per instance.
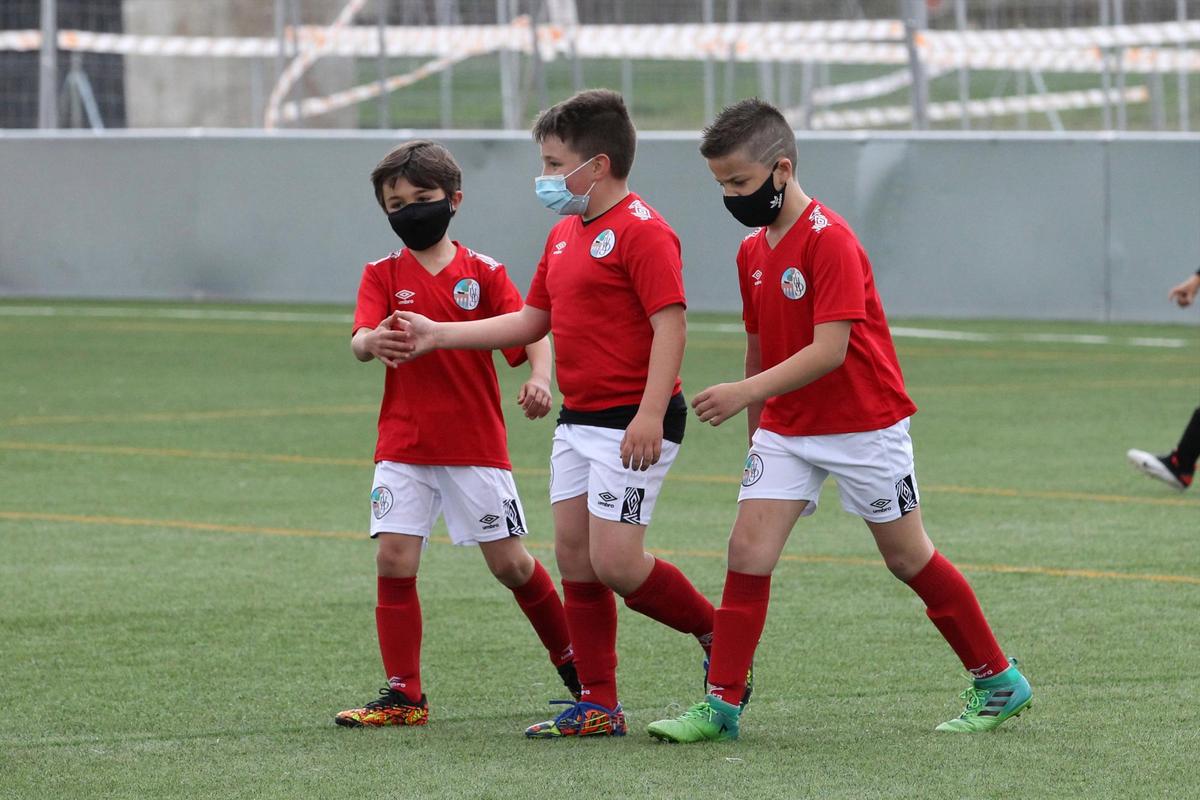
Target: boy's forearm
{"points": [[515, 329], [358, 344], [540, 358], [666, 356], [796, 372]]}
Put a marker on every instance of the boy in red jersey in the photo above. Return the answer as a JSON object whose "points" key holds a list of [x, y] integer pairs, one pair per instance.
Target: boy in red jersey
{"points": [[442, 446], [609, 286], [824, 396]]}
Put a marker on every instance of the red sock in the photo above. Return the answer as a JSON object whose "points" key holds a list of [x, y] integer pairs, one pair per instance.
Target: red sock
{"points": [[398, 621], [739, 624], [951, 605], [670, 598], [591, 611], [539, 600]]}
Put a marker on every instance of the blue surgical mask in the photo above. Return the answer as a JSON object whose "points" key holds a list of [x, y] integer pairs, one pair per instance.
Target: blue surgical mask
{"points": [[553, 192]]}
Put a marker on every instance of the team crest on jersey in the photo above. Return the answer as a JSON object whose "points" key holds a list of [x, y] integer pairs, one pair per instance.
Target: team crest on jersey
{"points": [[381, 501], [818, 219], [639, 210], [405, 296], [466, 294], [793, 284], [492, 263], [604, 243], [753, 469]]}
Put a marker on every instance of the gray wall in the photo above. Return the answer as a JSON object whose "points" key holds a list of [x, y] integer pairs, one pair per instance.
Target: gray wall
{"points": [[1081, 228]]}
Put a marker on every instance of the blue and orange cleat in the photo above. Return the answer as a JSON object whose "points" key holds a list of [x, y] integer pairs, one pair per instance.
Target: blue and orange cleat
{"points": [[580, 719]]}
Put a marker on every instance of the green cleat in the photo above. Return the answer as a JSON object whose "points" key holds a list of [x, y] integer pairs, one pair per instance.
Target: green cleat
{"points": [[713, 720], [991, 701]]}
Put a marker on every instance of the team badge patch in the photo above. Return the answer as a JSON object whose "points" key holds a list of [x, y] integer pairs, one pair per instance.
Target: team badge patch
{"points": [[381, 501], [512, 515], [906, 495], [793, 284], [753, 469], [631, 509], [604, 243], [466, 294]]}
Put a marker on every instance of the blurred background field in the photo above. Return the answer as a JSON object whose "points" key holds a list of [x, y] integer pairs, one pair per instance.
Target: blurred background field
{"points": [[187, 589]]}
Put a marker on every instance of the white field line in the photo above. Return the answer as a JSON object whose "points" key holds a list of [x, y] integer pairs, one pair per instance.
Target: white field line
{"points": [[235, 315]]}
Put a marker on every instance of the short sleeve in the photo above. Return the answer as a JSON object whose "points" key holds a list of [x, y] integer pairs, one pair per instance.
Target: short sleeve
{"points": [[838, 277], [373, 302], [651, 257], [503, 298], [538, 296], [749, 309]]}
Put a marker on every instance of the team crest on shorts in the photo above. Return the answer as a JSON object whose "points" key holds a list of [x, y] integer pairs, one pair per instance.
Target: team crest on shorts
{"points": [[604, 243], [753, 469], [381, 501], [793, 284], [466, 294]]}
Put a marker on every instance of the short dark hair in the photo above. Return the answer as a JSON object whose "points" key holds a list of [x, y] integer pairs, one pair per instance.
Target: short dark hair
{"points": [[422, 163], [754, 126], [592, 122]]}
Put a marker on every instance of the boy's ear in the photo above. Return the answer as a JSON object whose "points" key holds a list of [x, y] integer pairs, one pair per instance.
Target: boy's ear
{"points": [[786, 169], [456, 199], [601, 166]]}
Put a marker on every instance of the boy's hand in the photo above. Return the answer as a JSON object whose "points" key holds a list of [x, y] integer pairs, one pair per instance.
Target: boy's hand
{"points": [[534, 398], [642, 445], [718, 403], [417, 334], [1185, 293], [385, 342]]}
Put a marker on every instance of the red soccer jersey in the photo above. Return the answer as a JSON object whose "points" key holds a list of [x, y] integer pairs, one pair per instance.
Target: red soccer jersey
{"points": [[601, 282], [442, 408], [820, 273]]}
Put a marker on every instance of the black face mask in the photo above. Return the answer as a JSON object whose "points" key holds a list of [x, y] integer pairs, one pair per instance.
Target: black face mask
{"points": [[422, 225], [760, 208]]}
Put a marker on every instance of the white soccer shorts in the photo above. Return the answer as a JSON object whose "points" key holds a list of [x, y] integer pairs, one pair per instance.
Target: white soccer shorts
{"points": [[586, 459], [873, 470], [480, 504]]}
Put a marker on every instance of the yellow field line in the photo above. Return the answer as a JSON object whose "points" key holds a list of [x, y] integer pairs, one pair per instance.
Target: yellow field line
{"points": [[365, 462], [211, 527]]}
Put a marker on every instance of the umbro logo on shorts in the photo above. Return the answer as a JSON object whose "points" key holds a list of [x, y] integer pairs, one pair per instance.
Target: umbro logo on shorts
{"points": [[490, 522], [631, 509], [512, 516], [906, 495], [606, 500]]}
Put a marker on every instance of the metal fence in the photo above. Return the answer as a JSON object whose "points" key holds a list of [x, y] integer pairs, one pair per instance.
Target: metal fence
{"points": [[1056, 65]]}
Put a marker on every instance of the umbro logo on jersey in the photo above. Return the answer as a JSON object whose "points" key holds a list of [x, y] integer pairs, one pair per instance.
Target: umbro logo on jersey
{"points": [[631, 509], [490, 522], [818, 219], [639, 210], [606, 500], [558, 248], [405, 296], [757, 275]]}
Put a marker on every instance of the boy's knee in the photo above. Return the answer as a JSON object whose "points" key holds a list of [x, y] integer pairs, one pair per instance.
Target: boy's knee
{"points": [[513, 571]]}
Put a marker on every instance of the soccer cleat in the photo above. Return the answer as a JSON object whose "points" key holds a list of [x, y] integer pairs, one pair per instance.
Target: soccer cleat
{"points": [[392, 708], [1163, 468], [581, 719], [745, 694], [713, 720], [991, 701], [570, 679]]}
